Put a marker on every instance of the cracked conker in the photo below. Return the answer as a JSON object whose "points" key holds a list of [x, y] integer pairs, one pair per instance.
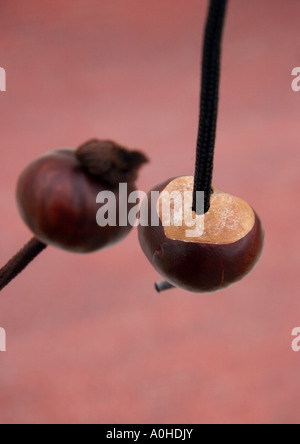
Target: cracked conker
{"points": [[56, 194], [228, 248]]}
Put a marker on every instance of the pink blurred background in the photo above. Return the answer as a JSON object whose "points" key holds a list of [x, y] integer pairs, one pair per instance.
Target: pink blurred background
{"points": [[88, 338]]}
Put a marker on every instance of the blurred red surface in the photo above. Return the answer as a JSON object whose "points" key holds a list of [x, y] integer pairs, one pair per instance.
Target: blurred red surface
{"points": [[88, 339]]}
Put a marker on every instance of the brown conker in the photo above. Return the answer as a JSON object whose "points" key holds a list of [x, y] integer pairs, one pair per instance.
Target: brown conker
{"points": [[228, 248], [56, 194]]}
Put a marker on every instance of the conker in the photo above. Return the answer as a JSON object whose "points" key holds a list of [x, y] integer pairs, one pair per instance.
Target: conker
{"points": [[56, 194], [228, 248]]}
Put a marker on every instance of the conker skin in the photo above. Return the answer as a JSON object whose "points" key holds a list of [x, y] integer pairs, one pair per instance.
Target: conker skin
{"points": [[57, 200], [199, 267]]}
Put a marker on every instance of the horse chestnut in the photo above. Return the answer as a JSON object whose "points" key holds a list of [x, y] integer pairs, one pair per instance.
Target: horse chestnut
{"points": [[228, 248], [56, 194]]}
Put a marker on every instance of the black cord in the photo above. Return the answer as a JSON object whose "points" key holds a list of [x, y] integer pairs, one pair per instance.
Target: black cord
{"points": [[209, 101], [20, 261], [208, 108]]}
